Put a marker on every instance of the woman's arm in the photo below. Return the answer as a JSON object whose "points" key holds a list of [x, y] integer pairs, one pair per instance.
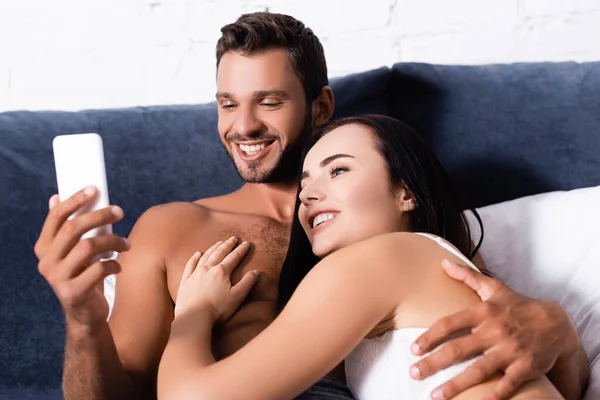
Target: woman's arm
{"points": [[334, 308]]}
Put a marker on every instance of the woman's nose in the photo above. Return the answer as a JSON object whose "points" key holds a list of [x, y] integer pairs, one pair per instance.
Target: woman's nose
{"points": [[311, 194]]}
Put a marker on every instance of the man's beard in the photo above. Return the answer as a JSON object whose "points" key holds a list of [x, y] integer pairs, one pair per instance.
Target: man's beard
{"points": [[286, 166]]}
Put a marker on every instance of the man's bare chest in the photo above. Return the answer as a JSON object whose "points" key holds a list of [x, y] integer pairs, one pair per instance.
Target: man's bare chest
{"points": [[269, 241]]}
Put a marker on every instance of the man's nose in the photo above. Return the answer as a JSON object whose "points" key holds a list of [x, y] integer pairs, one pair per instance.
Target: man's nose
{"points": [[246, 123]]}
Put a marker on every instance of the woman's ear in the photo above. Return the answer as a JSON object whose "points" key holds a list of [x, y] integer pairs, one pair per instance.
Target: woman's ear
{"points": [[406, 198], [322, 107]]}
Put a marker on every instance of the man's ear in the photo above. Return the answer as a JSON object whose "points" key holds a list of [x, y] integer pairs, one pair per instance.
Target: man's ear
{"points": [[406, 198], [322, 107]]}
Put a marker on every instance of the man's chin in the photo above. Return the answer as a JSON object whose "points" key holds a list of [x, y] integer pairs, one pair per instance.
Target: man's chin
{"points": [[252, 175], [255, 172]]}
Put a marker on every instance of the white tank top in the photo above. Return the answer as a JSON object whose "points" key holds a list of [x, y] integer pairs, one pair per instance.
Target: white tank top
{"points": [[378, 368]]}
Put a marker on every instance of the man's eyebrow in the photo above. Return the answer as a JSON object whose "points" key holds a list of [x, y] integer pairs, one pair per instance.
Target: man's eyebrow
{"points": [[326, 161], [274, 92], [223, 95]]}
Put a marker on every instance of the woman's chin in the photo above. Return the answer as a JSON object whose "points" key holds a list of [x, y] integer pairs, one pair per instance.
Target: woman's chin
{"points": [[322, 251]]}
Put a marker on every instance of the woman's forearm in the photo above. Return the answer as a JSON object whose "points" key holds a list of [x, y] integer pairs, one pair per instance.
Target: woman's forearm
{"points": [[186, 354]]}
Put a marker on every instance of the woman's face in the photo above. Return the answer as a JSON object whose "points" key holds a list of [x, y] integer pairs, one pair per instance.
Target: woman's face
{"points": [[346, 194]]}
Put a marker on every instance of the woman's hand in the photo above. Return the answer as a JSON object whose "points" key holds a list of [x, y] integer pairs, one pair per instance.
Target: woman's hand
{"points": [[206, 281]]}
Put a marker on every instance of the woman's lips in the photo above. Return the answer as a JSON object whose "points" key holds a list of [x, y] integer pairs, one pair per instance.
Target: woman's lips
{"points": [[323, 225]]}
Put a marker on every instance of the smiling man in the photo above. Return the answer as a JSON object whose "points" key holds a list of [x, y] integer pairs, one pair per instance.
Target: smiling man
{"points": [[271, 92]]}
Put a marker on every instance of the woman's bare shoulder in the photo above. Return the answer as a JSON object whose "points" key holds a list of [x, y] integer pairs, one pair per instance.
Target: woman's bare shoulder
{"points": [[387, 256], [389, 246]]}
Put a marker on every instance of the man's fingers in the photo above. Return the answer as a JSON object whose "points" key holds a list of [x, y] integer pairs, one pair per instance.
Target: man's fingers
{"points": [[54, 200], [87, 250], [476, 373], [483, 285], [233, 259], [452, 352], [86, 282], [439, 331], [57, 216], [514, 377], [70, 233], [190, 267], [240, 291]]}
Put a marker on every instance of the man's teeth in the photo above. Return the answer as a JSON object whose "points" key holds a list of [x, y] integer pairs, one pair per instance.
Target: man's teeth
{"points": [[319, 219], [251, 150]]}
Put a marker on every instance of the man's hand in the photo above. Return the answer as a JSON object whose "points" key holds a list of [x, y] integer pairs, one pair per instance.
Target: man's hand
{"points": [[517, 335], [70, 265]]}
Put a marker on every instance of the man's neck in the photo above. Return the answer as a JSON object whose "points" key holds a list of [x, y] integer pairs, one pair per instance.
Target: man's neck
{"points": [[275, 200]]}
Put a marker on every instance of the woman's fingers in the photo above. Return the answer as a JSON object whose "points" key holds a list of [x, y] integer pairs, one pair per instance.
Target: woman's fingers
{"points": [[190, 267], [233, 259], [240, 291], [223, 254], [219, 254], [204, 259]]}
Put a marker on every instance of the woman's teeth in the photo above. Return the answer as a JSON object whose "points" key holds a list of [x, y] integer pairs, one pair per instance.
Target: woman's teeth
{"points": [[251, 150], [319, 219]]}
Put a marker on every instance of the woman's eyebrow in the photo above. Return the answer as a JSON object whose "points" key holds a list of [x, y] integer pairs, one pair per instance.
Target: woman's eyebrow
{"points": [[326, 161], [333, 157]]}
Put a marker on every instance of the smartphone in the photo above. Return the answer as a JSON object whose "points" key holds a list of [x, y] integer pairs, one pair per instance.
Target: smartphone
{"points": [[79, 162]]}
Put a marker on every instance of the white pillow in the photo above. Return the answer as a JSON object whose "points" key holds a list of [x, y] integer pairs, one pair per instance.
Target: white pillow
{"points": [[547, 246]]}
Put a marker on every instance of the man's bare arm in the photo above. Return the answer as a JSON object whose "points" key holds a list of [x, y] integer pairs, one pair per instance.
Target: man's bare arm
{"points": [[143, 310], [96, 367], [571, 373], [92, 367]]}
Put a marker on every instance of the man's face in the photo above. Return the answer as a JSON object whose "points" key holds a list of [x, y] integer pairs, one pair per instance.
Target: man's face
{"points": [[262, 113]]}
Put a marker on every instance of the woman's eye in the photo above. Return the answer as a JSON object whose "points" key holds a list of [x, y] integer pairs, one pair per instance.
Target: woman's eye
{"points": [[337, 171]]}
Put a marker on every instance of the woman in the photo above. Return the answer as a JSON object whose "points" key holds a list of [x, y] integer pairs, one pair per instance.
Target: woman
{"points": [[375, 216]]}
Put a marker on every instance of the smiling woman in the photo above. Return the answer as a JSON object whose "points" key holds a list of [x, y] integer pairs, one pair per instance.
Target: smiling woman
{"points": [[374, 220]]}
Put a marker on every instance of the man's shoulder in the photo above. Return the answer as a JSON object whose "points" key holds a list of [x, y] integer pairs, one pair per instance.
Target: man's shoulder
{"points": [[176, 209], [173, 216]]}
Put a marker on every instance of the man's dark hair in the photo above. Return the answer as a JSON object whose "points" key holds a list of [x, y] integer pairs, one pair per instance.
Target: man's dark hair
{"points": [[260, 31]]}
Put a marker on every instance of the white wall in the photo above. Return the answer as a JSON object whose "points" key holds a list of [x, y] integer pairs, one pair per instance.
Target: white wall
{"points": [[78, 54]]}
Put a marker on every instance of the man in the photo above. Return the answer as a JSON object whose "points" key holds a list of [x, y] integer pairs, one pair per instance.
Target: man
{"points": [[272, 90]]}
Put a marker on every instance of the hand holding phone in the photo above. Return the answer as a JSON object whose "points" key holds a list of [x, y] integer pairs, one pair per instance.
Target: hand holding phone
{"points": [[78, 232]]}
